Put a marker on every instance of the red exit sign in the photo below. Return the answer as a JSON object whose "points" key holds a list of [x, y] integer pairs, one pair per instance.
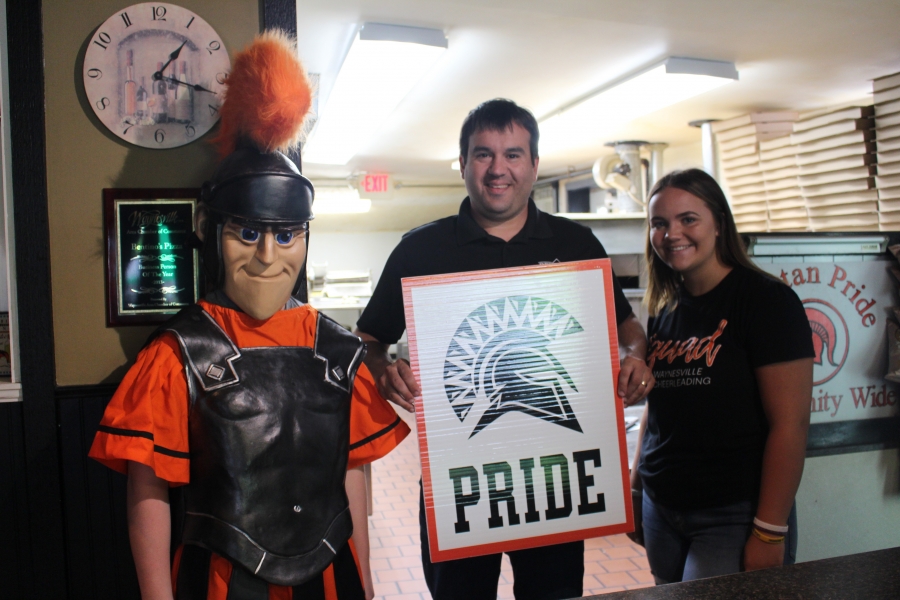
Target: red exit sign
{"points": [[375, 183]]}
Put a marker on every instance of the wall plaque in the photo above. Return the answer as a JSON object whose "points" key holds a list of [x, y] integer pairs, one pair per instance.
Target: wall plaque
{"points": [[151, 270]]}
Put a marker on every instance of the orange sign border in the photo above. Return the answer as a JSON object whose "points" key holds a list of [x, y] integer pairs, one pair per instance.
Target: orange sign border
{"points": [[409, 283]]}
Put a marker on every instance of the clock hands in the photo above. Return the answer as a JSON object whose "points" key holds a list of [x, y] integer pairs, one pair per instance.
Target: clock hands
{"points": [[159, 74], [195, 86]]}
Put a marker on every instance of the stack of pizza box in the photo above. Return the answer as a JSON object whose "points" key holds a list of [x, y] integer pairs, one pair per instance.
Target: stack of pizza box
{"points": [[787, 211], [836, 168], [739, 142], [887, 136]]}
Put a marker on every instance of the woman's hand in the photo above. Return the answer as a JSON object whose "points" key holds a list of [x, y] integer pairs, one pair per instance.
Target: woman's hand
{"points": [[635, 377], [635, 380], [760, 555], [784, 389]]}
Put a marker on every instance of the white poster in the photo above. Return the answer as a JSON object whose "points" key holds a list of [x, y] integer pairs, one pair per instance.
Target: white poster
{"points": [[521, 433], [847, 304]]}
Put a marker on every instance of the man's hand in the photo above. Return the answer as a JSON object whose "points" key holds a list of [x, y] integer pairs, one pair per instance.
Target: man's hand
{"points": [[635, 380], [759, 555], [394, 379], [397, 383], [635, 377]]}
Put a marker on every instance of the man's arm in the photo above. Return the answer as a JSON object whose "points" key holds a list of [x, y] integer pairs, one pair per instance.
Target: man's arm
{"points": [[150, 530], [356, 494], [635, 377], [395, 380]]}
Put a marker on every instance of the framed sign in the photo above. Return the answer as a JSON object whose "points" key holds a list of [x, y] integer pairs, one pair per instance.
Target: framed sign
{"points": [[846, 285], [521, 434], [151, 270], [848, 305]]}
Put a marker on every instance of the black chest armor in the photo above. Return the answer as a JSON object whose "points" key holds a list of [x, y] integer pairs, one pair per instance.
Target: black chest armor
{"points": [[269, 437]]}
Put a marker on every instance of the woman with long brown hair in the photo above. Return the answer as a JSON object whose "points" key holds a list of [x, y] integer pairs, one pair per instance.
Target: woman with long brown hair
{"points": [[723, 437]]}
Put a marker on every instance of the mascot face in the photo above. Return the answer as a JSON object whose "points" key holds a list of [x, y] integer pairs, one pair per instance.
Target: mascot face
{"points": [[262, 265]]}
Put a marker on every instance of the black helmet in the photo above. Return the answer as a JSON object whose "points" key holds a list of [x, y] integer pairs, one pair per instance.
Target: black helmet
{"points": [[266, 103], [253, 186], [263, 187]]}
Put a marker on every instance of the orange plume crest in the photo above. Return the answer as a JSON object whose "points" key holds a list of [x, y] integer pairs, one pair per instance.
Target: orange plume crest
{"points": [[267, 98]]}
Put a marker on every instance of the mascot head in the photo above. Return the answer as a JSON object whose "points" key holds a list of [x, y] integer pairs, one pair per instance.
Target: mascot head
{"points": [[254, 213]]}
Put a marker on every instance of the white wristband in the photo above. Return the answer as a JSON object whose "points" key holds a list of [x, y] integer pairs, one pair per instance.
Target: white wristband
{"points": [[775, 528]]}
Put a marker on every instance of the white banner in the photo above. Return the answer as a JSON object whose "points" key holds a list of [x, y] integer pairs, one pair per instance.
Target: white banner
{"points": [[847, 304], [521, 433]]}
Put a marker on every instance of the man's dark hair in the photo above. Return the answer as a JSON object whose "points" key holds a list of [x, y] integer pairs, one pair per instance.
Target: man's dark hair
{"points": [[496, 115]]}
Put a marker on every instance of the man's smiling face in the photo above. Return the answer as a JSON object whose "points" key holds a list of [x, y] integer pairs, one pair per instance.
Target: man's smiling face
{"points": [[261, 265], [499, 172]]}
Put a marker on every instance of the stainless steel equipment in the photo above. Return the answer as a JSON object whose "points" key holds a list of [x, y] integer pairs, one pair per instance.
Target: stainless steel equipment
{"points": [[629, 174]]}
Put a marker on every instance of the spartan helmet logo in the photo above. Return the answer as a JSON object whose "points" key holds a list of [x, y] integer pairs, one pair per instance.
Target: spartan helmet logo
{"points": [[830, 338], [498, 362]]}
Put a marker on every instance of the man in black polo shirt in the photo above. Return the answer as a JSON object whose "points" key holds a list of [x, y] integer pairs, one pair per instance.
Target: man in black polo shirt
{"points": [[498, 226]]}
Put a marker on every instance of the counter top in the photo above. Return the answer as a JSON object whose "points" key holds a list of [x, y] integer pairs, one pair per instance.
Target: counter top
{"points": [[865, 576], [350, 302]]}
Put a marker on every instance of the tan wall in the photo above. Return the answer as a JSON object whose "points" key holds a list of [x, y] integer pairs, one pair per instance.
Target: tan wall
{"points": [[82, 159], [849, 503]]}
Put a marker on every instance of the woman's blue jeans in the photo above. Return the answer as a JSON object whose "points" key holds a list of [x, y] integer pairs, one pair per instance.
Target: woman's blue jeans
{"points": [[691, 544]]}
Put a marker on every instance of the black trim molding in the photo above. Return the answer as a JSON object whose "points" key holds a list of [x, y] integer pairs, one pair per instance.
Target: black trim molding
{"points": [[280, 14], [861, 435], [43, 554]]}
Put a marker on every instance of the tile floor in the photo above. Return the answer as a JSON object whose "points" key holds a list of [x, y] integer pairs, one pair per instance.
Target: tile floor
{"points": [[611, 564]]}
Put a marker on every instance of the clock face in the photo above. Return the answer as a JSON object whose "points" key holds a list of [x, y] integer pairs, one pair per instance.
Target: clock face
{"points": [[154, 75]]}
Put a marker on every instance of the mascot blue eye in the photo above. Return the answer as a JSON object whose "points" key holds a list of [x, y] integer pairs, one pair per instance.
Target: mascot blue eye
{"points": [[249, 235], [284, 237]]}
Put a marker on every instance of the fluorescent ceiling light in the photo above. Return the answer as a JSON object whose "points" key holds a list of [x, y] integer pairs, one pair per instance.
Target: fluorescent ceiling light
{"points": [[610, 107], [798, 246], [455, 165], [382, 66], [340, 200]]}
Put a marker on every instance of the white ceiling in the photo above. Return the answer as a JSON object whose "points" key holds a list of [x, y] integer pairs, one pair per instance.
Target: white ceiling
{"points": [[791, 54]]}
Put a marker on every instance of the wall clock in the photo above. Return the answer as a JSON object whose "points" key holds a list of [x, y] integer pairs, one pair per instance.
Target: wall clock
{"points": [[154, 75]]}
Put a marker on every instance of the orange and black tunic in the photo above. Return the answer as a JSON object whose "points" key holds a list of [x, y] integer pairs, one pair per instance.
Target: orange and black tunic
{"points": [[147, 421]]}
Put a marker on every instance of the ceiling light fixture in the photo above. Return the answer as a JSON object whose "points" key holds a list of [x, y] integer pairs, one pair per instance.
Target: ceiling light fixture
{"points": [[382, 66], [340, 201], [608, 108]]}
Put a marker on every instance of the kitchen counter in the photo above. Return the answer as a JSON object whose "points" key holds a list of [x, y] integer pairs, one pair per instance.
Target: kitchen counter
{"points": [[866, 576]]}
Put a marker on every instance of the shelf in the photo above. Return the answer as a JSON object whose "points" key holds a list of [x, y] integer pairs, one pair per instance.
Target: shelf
{"points": [[10, 392], [323, 303]]}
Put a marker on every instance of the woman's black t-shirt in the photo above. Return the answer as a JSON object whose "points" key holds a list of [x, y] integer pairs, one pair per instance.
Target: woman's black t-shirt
{"points": [[706, 429]]}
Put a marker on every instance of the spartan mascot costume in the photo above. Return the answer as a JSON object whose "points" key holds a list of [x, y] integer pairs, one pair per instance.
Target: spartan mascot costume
{"points": [[256, 404]]}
